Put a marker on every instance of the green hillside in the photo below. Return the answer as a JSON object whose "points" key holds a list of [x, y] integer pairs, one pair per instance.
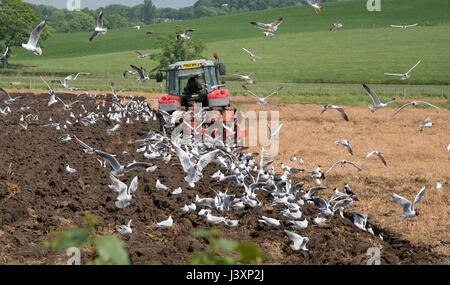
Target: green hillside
{"points": [[303, 50]]}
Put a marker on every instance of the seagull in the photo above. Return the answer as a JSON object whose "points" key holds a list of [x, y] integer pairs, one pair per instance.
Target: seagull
{"points": [[274, 132], [414, 103], [124, 192], [345, 144], [272, 27], [323, 205], [160, 186], [360, 220], [299, 225], [342, 163], [311, 191], [376, 102], [349, 192], [99, 28], [125, 229], [10, 100], [185, 33], [165, 224], [438, 185], [316, 5], [337, 108], [406, 75], [261, 100], [318, 220], [68, 78], [270, 221], [447, 147], [335, 26], [67, 107], [231, 223], [125, 73], [244, 77], [188, 208], [213, 220], [407, 206], [118, 169], [377, 153], [70, 170], [339, 206], [254, 57], [34, 39], [299, 241], [140, 71], [52, 94], [425, 124], [137, 27], [3, 55], [268, 34], [141, 55], [404, 26]]}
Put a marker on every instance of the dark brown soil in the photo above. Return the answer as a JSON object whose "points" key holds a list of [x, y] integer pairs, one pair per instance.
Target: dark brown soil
{"points": [[37, 197]]}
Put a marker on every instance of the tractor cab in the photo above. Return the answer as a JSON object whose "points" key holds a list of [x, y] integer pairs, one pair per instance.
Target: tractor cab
{"points": [[195, 81]]}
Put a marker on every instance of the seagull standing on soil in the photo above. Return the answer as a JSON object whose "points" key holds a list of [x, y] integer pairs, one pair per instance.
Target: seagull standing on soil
{"points": [[378, 154], [99, 28], [414, 103], [272, 27], [406, 75], [254, 57], [447, 147], [407, 206], [261, 100], [425, 124], [270, 221], [34, 39], [165, 224], [160, 186], [376, 101], [334, 107], [125, 229]]}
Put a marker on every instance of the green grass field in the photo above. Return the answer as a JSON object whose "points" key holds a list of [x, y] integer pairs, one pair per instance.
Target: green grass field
{"points": [[303, 51]]}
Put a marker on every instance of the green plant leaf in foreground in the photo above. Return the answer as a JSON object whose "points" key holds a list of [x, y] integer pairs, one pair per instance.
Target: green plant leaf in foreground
{"points": [[111, 250], [71, 238]]}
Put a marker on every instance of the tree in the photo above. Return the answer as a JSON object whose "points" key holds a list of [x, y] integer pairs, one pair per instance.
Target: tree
{"points": [[115, 21], [148, 12], [17, 20], [174, 49]]}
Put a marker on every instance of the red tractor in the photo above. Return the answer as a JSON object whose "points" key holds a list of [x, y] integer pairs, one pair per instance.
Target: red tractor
{"points": [[182, 97]]}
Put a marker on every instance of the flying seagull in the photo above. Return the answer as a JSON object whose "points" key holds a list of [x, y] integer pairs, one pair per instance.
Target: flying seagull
{"points": [[10, 100], [316, 5], [99, 28], [274, 132], [404, 26], [345, 144], [334, 107], [335, 26], [65, 84], [141, 72], [378, 154], [185, 33], [125, 73], [118, 169], [52, 94], [34, 39], [414, 103], [261, 100], [343, 163], [272, 27], [3, 55], [406, 75], [268, 34], [254, 57], [141, 55], [245, 77], [407, 206], [376, 101], [124, 192]]}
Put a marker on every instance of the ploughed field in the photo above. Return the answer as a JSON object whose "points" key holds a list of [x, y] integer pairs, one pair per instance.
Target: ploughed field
{"points": [[38, 196]]}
